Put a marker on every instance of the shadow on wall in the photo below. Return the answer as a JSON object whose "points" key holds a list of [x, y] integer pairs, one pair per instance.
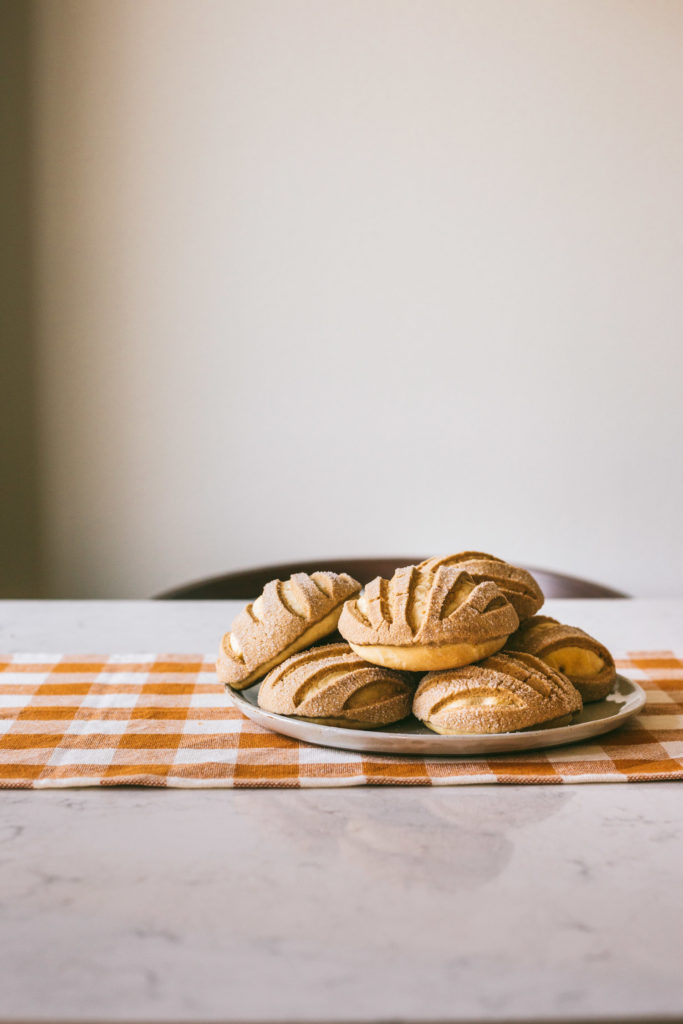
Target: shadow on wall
{"points": [[20, 561]]}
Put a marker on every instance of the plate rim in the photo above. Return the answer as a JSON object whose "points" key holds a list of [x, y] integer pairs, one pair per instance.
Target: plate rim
{"points": [[371, 740]]}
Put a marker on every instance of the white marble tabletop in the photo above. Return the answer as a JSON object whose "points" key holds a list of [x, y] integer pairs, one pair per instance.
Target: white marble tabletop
{"points": [[489, 903]]}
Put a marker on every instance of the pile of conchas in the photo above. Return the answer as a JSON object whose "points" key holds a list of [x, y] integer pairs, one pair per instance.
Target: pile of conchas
{"points": [[456, 641]]}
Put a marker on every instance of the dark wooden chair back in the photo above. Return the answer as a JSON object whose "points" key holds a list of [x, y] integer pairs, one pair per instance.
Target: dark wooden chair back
{"points": [[246, 584]]}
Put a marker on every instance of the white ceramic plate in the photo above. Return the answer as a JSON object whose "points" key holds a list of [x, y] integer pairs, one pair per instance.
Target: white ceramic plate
{"points": [[412, 737]]}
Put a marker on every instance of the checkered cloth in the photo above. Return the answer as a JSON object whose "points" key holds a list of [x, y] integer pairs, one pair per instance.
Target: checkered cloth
{"points": [[165, 720]]}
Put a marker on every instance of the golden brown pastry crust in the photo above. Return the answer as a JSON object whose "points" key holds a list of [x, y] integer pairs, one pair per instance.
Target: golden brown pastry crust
{"points": [[504, 693], [288, 616], [332, 685], [422, 613], [543, 635], [518, 585]]}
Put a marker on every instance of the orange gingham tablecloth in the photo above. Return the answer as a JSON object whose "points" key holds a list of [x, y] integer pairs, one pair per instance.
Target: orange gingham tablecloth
{"points": [[165, 720]]}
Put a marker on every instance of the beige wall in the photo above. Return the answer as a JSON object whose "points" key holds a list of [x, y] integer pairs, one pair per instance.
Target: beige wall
{"points": [[20, 519], [357, 277]]}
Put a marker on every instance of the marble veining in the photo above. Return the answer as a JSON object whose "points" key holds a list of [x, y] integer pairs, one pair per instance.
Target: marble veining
{"points": [[340, 905]]}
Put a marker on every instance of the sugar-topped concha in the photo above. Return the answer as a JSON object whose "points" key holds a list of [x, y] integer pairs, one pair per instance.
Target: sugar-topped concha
{"points": [[586, 662], [333, 686], [503, 693], [421, 619], [518, 585], [287, 617]]}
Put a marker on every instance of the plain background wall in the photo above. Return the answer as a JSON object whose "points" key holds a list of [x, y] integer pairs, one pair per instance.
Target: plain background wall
{"points": [[328, 277], [20, 570]]}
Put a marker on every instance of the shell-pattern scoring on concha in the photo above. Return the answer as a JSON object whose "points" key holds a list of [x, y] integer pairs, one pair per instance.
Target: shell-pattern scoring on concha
{"points": [[584, 660], [333, 683], [518, 585], [288, 616], [424, 607], [503, 693]]}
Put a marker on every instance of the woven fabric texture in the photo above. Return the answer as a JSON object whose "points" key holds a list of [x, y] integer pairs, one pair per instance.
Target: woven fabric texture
{"points": [[165, 720]]}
